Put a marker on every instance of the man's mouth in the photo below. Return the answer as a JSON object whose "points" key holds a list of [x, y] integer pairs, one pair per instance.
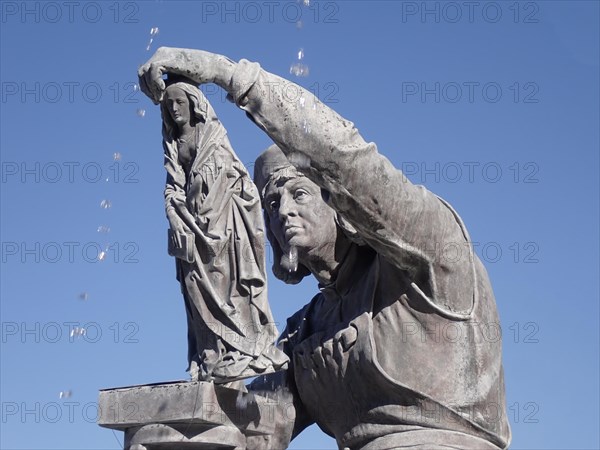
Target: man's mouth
{"points": [[290, 230]]}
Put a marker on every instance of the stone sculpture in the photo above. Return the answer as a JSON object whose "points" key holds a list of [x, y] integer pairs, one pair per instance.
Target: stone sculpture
{"points": [[371, 363], [217, 237]]}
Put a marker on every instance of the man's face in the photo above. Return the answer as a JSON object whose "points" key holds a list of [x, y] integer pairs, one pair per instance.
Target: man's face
{"points": [[178, 105], [298, 215]]}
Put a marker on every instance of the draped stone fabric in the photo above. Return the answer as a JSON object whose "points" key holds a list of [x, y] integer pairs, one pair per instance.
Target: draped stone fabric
{"points": [[230, 327], [401, 350]]}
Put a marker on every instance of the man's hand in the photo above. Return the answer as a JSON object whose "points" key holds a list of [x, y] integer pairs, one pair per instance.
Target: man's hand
{"points": [[197, 65]]}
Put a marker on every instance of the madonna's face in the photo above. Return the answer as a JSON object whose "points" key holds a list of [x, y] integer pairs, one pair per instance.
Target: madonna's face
{"points": [[299, 217], [178, 105]]}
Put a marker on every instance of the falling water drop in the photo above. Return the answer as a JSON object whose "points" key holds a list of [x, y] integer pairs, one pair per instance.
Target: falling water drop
{"points": [[77, 332], [116, 156], [243, 400], [306, 126], [141, 112], [65, 394], [103, 229], [153, 32], [105, 204], [83, 296], [293, 259], [299, 70]]}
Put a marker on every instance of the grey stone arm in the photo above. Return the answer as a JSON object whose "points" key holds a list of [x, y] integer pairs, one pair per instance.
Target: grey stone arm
{"points": [[178, 214], [285, 410], [173, 188], [198, 65], [404, 223]]}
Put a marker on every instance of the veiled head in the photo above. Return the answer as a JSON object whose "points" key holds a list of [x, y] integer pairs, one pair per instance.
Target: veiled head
{"points": [[183, 102]]}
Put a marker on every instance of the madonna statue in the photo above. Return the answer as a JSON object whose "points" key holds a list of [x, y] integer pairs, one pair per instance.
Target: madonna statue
{"points": [[217, 237]]}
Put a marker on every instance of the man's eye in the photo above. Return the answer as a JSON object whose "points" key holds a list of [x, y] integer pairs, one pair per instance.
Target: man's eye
{"points": [[273, 205], [300, 194]]}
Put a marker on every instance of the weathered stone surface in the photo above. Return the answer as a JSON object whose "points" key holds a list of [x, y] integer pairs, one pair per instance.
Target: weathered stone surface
{"points": [[394, 351], [170, 437], [217, 238], [197, 414]]}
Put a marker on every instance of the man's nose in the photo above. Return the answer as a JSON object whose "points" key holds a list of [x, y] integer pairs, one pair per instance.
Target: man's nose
{"points": [[287, 206]]}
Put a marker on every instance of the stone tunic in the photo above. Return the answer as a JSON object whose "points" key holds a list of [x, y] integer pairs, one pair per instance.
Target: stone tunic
{"points": [[403, 349]]}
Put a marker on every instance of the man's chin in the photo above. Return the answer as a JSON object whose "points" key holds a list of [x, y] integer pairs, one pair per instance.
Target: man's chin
{"points": [[296, 241]]}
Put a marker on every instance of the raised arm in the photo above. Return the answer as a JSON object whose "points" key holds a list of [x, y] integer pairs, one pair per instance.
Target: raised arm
{"points": [[409, 226], [286, 410]]}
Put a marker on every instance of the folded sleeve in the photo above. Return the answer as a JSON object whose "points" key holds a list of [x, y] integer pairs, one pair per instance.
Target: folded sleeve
{"points": [[405, 223]]}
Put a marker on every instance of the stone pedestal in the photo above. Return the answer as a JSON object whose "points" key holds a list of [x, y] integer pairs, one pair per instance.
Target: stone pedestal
{"points": [[185, 415]]}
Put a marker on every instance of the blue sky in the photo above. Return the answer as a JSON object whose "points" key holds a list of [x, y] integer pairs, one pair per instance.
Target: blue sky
{"points": [[492, 106]]}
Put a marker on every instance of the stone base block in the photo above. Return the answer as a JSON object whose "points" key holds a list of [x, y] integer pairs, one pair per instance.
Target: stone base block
{"points": [[185, 415]]}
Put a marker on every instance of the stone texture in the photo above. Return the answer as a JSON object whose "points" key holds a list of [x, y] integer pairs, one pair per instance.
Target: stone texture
{"points": [[394, 351], [198, 415], [217, 238]]}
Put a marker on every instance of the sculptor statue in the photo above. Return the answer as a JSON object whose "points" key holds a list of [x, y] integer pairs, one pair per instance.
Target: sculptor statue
{"points": [[392, 351], [217, 237]]}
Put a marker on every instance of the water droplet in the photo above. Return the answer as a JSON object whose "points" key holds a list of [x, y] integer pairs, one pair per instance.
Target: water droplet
{"points": [[242, 400], [306, 2], [105, 204], [306, 126], [299, 69], [153, 32], [299, 24], [83, 296], [302, 101], [103, 229], [77, 332], [293, 259], [116, 156], [65, 394], [289, 260], [102, 256], [141, 112], [300, 54], [136, 87]]}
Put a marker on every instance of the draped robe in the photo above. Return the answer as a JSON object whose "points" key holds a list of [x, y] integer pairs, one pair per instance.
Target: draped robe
{"points": [[230, 326]]}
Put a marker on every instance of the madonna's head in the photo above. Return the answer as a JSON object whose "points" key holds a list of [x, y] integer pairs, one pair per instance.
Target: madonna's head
{"points": [[182, 103]]}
